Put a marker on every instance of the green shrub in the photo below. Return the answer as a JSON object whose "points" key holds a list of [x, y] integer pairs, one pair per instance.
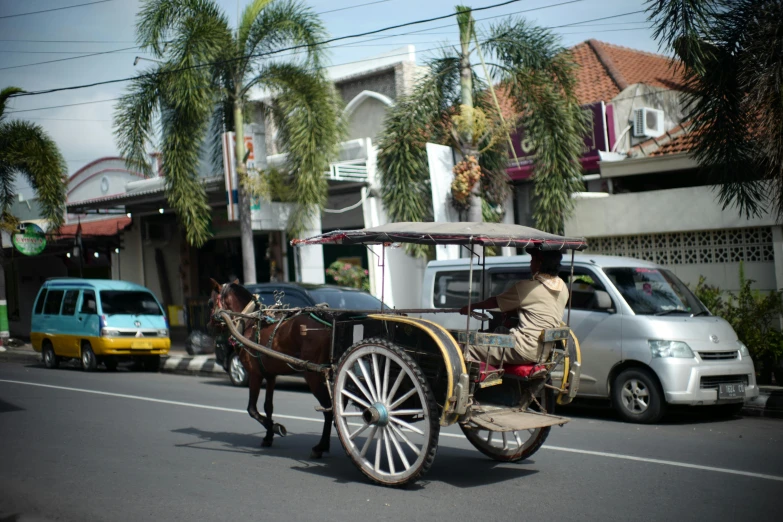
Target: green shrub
{"points": [[346, 274], [754, 315]]}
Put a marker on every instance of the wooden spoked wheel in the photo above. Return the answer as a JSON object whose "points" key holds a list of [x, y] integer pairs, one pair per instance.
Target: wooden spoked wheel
{"points": [[385, 413], [511, 446]]}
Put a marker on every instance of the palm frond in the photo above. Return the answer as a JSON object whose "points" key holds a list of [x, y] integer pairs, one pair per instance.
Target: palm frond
{"points": [[683, 26], [308, 114], [165, 22], [4, 95], [134, 121], [539, 76], [285, 23], [26, 149], [249, 16]]}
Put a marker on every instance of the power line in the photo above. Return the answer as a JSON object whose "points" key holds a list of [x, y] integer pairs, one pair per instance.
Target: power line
{"points": [[65, 105], [353, 7], [258, 55], [66, 59], [55, 9], [67, 41], [61, 52]]}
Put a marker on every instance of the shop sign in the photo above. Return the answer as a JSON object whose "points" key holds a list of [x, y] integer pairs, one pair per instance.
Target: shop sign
{"points": [[29, 239]]}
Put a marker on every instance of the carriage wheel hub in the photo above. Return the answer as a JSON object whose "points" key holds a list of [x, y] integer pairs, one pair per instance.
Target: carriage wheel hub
{"points": [[376, 414]]}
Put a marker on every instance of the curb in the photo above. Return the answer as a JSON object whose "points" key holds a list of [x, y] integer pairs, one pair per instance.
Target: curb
{"points": [[191, 364], [769, 403]]}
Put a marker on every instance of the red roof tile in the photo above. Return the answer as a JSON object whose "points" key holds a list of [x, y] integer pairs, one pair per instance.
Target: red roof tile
{"points": [[678, 140], [104, 227], [606, 69]]}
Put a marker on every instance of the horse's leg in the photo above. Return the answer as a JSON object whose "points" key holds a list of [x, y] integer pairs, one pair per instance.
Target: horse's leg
{"points": [[318, 387], [254, 383], [268, 409]]}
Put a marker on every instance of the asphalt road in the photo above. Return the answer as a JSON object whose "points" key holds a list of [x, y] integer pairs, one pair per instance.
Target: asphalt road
{"points": [[139, 446]]}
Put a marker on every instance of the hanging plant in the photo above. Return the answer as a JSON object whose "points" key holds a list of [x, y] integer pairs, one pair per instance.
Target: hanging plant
{"points": [[466, 174]]}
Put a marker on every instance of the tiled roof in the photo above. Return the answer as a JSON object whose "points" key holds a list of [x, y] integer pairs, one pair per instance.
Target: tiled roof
{"points": [[606, 69], [103, 227], [678, 140]]}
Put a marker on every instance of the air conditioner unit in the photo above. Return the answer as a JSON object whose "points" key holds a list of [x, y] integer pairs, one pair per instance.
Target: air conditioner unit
{"points": [[647, 123]]}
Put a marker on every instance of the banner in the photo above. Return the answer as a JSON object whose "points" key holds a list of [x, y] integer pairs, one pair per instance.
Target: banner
{"points": [[29, 239], [229, 167]]}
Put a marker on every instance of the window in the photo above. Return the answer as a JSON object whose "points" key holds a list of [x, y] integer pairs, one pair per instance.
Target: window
{"points": [[69, 303], [502, 280], [451, 288], [88, 302], [129, 302], [650, 291], [583, 288], [40, 303], [53, 300], [289, 300], [346, 300]]}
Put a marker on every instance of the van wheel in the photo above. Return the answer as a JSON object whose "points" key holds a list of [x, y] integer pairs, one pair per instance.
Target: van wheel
{"points": [[89, 361], [49, 358], [637, 396]]}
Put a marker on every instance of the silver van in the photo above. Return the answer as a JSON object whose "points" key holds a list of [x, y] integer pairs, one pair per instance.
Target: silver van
{"points": [[646, 340]]}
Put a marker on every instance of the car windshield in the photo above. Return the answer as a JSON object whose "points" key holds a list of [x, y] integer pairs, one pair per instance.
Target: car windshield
{"points": [[348, 300], [129, 303], [653, 291]]}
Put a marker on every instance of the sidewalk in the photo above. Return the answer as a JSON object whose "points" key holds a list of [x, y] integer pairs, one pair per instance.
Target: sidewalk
{"points": [[769, 403], [177, 360]]}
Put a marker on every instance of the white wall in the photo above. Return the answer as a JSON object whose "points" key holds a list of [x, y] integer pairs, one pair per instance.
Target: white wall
{"points": [[366, 120], [131, 264], [673, 210]]}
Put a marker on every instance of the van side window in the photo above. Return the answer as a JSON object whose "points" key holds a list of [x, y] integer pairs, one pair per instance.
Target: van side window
{"points": [[88, 303], [69, 302], [502, 280], [53, 300], [585, 283], [451, 288], [39, 304]]}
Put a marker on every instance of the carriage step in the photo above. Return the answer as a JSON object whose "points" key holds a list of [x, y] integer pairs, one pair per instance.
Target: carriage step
{"points": [[515, 420], [491, 378]]}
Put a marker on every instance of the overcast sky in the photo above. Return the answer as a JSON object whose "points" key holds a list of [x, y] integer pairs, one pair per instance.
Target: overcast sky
{"points": [[84, 132]]}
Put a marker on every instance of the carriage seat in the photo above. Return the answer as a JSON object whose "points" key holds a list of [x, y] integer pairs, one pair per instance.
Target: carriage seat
{"points": [[521, 371]]}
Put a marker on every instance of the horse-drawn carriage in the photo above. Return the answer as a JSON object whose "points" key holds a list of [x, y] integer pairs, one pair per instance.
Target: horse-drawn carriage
{"points": [[390, 380]]}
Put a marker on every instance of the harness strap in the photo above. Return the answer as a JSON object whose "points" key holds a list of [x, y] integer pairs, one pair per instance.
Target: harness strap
{"points": [[320, 320]]}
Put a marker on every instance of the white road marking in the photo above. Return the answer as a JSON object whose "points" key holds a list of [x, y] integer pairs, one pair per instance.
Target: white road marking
{"points": [[453, 435]]}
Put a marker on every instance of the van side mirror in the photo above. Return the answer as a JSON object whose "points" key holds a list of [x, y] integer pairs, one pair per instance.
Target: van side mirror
{"points": [[603, 301]]}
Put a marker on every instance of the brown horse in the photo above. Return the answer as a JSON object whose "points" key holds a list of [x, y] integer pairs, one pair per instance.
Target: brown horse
{"points": [[300, 336]]}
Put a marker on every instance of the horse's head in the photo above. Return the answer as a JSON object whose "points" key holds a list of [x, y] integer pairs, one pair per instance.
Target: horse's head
{"points": [[219, 299]]}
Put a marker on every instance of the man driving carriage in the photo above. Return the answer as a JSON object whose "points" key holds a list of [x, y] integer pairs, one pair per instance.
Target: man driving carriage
{"points": [[539, 303]]}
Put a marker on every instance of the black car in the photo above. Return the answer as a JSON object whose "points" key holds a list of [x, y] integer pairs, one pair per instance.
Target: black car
{"points": [[294, 295]]}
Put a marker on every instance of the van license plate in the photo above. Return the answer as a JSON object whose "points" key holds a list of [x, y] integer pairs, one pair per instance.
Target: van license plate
{"points": [[731, 391], [141, 345]]}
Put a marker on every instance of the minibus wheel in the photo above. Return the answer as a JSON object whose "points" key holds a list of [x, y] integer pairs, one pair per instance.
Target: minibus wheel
{"points": [[49, 358], [89, 360]]}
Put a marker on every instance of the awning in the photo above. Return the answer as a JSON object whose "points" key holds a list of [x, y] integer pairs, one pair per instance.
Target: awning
{"points": [[103, 227], [148, 191]]}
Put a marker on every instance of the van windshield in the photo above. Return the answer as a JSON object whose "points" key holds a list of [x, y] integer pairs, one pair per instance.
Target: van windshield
{"points": [[653, 291], [124, 302]]}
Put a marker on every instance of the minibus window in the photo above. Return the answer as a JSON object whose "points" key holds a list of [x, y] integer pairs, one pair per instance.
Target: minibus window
{"points": [[129, 302], [40, 303], [88, 302], [53, 300], [69, 303]]}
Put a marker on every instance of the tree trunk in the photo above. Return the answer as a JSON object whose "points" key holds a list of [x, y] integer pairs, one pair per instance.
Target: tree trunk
{"points": [[245, 226], [466, 93]]}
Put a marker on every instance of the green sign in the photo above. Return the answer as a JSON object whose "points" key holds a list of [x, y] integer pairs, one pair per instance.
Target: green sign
{"points": [[29, 239]]}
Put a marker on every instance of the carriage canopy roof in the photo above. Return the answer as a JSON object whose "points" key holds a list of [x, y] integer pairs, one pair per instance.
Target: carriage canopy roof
{"points": [[463, 233]]}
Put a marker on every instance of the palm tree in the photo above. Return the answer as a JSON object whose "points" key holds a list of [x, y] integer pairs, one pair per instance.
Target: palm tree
{"points": [[453, 105], [26, 149], [199, 89], [730, 53]]}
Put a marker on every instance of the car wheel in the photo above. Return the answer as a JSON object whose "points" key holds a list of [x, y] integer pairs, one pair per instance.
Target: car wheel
{"points": [[50, 360], [110, 363], [237, 372], [89, 361], [637, 396]]}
